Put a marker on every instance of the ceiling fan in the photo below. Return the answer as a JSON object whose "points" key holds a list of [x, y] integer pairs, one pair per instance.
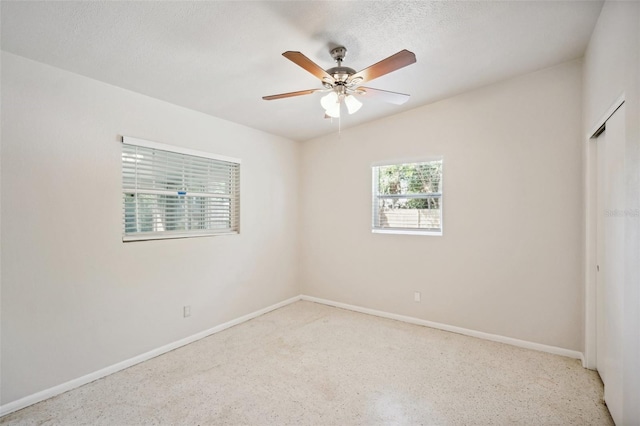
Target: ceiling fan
{"points": [[343, 83]]}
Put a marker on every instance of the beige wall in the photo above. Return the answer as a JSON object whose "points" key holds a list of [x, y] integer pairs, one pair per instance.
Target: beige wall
{"points": [[611, 70], [509, 262], [75, 299]]}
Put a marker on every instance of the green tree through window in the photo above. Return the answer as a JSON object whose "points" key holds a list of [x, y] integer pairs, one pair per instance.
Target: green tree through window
{"points": [[408, 196]]}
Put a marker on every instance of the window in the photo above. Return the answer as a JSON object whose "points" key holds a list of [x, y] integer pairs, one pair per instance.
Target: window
{"points": [[407, 198], [169, 192]]}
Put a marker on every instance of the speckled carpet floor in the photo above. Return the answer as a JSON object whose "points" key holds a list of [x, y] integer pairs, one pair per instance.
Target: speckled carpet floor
{"points": [[309, 364]]}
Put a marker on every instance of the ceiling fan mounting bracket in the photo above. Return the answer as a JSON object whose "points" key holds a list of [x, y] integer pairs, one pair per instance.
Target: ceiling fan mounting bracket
{"points": [[338, 53]]}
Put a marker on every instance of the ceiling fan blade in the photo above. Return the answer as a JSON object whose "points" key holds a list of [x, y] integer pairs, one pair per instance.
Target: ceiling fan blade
{"points": [[383, 95], [385, 66], [290, 94], [306, 63]]}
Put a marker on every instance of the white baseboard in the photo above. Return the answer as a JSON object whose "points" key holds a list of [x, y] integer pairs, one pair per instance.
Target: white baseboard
{"points": [[467, 332], [72, 384]]}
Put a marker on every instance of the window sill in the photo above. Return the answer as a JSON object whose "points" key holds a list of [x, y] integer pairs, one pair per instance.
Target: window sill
{"points": [[407, 232], [167, 236]]}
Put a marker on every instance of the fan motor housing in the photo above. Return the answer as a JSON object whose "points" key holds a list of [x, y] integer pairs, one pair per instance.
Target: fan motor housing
{"points": [[340, 74]]}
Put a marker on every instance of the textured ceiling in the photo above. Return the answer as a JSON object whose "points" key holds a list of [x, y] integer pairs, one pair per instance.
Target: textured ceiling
{"points": [[220, 58]]}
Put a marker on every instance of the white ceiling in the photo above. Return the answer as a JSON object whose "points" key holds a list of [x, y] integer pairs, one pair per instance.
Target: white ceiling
{"points": [[220, 58]]}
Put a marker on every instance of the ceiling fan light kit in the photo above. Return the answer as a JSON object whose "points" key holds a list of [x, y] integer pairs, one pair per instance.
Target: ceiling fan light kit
{"points": [[352, 104], [342, 83], [331, 102]]}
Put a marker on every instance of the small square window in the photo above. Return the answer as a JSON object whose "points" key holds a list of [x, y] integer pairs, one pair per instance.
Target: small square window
{"points": [[407, 198]]}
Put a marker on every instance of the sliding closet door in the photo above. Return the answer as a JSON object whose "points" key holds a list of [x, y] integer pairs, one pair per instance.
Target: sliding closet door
{"points": [[610, 255]]}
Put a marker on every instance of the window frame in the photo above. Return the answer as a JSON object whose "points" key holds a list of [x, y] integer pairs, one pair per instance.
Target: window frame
{"points": [[234, 195], [375, 196]]}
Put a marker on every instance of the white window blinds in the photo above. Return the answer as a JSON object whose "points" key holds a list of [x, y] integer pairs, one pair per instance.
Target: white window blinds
{"points": [[169, 192], [407, 198]]}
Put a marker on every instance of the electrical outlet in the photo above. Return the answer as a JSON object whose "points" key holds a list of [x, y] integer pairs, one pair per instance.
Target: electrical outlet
{"points": [[186, 311], [416, 296]]}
